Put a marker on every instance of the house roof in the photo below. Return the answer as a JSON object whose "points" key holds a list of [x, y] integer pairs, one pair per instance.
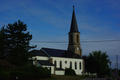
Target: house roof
{"points": [[50, 52]]}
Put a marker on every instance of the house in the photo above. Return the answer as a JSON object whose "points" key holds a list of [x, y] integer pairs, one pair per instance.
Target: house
{"points": [[58, 60]]}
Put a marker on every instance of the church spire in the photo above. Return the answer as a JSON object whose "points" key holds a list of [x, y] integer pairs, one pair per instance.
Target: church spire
{"points": [[74, 26], [74, 37]]}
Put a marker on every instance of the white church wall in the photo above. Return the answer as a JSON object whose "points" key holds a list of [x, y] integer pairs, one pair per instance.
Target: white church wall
{"points": [[40, 58], [66, 64], [43, 58], [59, 72]]}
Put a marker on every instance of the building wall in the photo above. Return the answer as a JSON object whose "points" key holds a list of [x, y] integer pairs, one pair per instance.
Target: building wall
{"points": [[74, 43], [40, 58], [65, 63], [43, 58], [59, 72]]}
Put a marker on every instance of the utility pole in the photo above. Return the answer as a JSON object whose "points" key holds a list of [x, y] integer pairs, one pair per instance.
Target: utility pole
{"points": [[116, 68], [117, 63]]}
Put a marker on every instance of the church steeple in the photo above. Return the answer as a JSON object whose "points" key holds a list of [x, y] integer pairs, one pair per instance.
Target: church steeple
{"points": [[74, 26], [74, 37]]}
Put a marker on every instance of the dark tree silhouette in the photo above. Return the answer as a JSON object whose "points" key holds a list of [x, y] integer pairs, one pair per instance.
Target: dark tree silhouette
{"points": [[3, 43], [18, 39], [69, 72], [97, 62]]}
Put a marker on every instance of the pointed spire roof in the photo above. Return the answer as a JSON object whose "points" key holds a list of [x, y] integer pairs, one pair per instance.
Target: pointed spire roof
{"points": [[74, 26]]}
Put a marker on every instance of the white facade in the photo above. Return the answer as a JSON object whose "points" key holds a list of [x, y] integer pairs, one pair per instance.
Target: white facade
{"points": [[59, 62]]}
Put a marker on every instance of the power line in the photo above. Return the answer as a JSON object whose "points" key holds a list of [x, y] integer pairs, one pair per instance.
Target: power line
{"points": [[83, 41], [103, 41]]}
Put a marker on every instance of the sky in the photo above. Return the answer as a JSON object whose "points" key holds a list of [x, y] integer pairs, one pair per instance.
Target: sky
{"points": [[49, 21]]}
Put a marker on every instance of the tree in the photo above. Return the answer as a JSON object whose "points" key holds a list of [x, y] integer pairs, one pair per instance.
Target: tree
{"points": [[69, 72], [119, 72], [3, 42], [18, 39], [98, 62]]}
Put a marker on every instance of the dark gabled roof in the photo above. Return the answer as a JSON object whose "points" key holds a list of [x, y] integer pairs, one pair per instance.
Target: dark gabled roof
{"points": [[37, 53], [45, 63], [74, 26], [54, 52], [60, 53], [50, 52]]}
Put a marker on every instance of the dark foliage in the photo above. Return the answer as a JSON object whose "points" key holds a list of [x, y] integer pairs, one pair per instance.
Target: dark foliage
{"points": [[25, 72], [14, 53], [69, 72], [3, 43], [30, 72], [119, 72], [97, 62], [14, 43]]}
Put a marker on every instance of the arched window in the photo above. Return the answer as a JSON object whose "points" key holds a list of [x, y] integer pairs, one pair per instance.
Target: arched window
{"points": [[50, 69], [70, 64], [80, 65], [65, 62], [77, 38], [75, 65], [60, 64], [55, 63]]}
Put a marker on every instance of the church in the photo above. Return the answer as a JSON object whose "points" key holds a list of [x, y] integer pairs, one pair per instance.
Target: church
{"points": [[58, 60]]}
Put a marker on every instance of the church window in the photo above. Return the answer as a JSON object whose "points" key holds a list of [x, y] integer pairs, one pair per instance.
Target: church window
{"points": [[60, 64], [55, 63], [50, 68], [77, 38], [80, 65], [65, 62], [75, 65], [71, 65]]}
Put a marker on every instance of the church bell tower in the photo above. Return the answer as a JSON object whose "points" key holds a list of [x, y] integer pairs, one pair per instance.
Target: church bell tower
{"points": [[74, 37]]}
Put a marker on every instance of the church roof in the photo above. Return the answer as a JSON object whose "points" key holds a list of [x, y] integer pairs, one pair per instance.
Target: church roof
{"points": [[74, 26], [37, 53], [50, 52], [45, 62], [54, 52]]}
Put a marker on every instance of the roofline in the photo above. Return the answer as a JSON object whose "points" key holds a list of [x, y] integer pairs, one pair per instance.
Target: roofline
{"points": [[45, 52]]}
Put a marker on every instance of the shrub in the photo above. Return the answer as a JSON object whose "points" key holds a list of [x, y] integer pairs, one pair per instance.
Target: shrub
{"points": [[69, 72], [30, 72], [25, 72]]}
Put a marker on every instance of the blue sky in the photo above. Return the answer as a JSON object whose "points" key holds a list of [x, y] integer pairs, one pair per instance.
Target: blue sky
{"points": [[49, 20]]}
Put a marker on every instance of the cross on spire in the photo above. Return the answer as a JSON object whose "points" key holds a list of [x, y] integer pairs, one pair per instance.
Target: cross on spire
{"points": [[73, 6]]}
